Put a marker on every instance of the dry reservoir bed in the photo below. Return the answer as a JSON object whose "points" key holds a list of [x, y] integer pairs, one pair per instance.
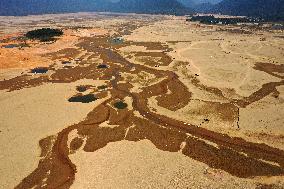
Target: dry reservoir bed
{"points": [[140, 101]]}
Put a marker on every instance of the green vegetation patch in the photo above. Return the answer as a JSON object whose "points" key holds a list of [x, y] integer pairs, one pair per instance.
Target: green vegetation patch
{"points": [[44, 34], [120, 105]]}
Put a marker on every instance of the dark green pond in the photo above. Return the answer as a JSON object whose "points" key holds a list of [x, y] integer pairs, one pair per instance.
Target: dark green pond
{"points": [[120, 105], [116, 41], [83, 98]]}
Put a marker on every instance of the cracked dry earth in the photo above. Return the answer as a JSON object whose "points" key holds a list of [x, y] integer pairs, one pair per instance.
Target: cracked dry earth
{"points": [[153, 115]]}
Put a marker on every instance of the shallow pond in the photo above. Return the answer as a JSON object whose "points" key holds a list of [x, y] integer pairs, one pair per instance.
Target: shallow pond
{"points": [[81, 88], [102, 66], [120, 105], [116, 41], [66, 62], [10, 46], [39, 70], [83, 98]]}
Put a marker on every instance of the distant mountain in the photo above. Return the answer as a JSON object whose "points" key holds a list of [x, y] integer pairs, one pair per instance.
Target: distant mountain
{"points": [[272, 10], [26, 7], [188, 3], [204, 7], [151, 6], [198, 3]]}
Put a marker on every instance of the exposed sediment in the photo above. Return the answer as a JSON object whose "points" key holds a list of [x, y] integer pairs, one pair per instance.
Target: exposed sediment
{"points": [[234, 155]]}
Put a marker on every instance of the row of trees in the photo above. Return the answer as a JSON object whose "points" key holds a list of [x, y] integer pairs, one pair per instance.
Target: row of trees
{"points": [[213, 20]]}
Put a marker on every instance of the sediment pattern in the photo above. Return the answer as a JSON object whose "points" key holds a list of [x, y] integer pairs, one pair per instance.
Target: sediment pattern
{"points": [[234, 155]]}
